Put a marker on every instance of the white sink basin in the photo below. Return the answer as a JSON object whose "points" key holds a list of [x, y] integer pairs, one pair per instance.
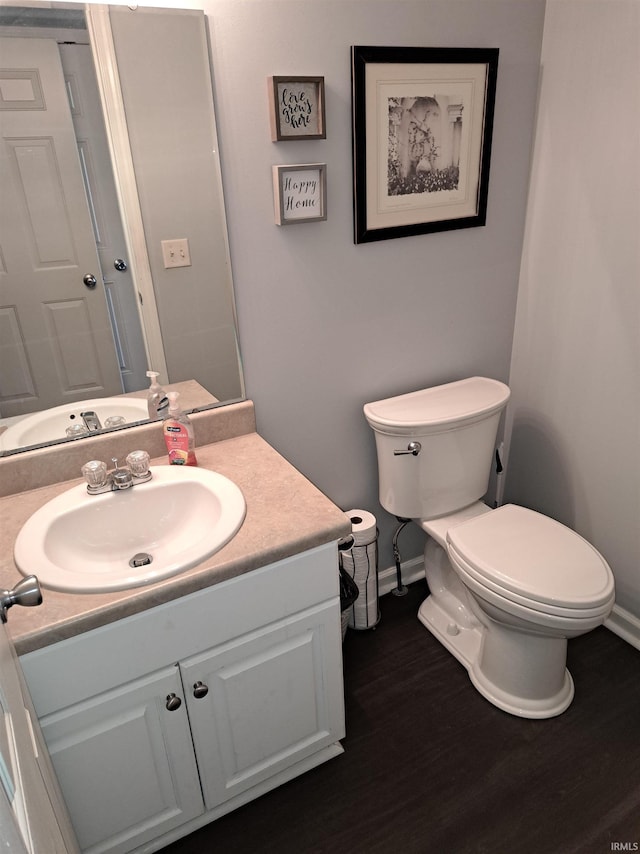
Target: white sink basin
{"points": [[51, 424], [81, 543]]}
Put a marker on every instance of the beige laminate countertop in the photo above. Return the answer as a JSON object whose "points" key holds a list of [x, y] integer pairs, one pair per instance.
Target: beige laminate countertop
{"points": [[286, 515]]}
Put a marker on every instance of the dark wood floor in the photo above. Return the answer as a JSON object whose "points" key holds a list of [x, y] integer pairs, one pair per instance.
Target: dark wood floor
{"points": [[430, 767]]}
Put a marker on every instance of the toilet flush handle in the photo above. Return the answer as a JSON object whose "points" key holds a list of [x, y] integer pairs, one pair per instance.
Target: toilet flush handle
{"points": [[412, 448]]}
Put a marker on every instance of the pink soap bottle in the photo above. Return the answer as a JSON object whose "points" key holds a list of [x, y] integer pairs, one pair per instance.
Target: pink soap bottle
{"points": [[178, 434]]}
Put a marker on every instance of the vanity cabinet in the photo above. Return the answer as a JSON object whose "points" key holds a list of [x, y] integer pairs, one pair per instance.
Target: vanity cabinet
{"points": [[163, 721]]}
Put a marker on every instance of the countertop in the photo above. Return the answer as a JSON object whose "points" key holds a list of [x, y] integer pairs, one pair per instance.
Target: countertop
{"points": [[286, 514]]}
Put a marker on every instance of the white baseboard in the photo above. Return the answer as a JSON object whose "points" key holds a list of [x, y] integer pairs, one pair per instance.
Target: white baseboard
{"points": [[624, 624], [412, 570]]}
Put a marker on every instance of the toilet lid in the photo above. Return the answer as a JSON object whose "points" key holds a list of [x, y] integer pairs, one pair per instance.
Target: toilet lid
{"points": [[530, 555]]}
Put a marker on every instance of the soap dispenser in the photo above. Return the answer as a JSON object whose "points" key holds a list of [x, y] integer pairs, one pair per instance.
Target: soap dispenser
{"points": [[179, 436], [157, 401]]}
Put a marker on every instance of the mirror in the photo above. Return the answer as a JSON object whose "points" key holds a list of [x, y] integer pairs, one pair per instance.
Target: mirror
{"points": [[113, 246]]}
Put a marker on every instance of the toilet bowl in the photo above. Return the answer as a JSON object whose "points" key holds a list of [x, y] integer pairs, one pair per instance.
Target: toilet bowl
{"points": [[508, 586]]}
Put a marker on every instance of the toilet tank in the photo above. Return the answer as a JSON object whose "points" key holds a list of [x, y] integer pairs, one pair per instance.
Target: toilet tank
{"points": [[456, 426]]}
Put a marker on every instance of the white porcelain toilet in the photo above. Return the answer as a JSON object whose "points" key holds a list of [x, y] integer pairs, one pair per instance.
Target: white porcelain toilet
{"points": [[508, 586]]}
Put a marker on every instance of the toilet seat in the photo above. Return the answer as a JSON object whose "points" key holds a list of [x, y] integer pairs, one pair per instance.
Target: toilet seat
{"points": [[533, 561]]}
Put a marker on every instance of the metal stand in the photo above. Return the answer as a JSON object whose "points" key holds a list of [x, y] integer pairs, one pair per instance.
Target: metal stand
{"points": [[360, 562]]}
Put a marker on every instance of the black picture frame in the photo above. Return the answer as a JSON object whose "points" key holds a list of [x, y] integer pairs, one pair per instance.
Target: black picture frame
{"points": [[422, 133]]}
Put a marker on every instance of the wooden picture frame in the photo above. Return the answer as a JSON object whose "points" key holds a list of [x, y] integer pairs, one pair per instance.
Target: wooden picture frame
{"points": [[422, 131], [299, 193], [296, 108]]}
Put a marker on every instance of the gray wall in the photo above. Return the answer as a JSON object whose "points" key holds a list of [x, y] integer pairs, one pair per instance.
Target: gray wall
{"points": [[326, 325], [575, 411]]}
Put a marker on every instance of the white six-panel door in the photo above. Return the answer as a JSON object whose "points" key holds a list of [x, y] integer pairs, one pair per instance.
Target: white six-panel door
{"points": [[95, 159], [57, 342]]}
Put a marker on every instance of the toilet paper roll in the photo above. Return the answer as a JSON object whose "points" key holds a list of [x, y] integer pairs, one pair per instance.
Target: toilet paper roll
{"points": [[361, 563], [363, 526]]}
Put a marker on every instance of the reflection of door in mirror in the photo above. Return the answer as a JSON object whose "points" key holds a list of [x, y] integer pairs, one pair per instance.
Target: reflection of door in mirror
{"points": [[57, 332], [95, 161]]}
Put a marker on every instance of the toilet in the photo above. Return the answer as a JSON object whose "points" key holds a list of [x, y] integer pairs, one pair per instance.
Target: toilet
{"points": [[507, 586]]}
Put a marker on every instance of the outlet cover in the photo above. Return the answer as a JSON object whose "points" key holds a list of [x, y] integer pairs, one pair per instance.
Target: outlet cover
{"points": [[175, 253]]}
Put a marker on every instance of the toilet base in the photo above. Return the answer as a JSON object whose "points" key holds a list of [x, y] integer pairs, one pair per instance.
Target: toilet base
{"points": [[520, 673]]}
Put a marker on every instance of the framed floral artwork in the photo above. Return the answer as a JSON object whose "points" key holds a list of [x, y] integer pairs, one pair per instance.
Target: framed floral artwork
{"points": [[422, 131]]}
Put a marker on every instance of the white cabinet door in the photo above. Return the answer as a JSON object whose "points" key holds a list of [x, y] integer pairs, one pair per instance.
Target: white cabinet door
{"points": [[274, 697], [125, 763]]}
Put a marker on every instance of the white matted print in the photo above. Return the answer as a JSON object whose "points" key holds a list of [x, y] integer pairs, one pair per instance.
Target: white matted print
{"points": [[422, 139], [299, 193]]}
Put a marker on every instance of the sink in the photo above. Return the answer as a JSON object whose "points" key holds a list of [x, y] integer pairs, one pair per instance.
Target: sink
{"points": [[81, 543], [51, 424]]}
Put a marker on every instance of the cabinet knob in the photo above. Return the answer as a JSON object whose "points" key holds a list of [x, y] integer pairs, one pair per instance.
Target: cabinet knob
{"points": [[173, 702], [200, 690]]}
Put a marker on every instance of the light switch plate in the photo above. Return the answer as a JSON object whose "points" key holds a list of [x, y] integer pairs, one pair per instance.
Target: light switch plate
{"points": [[175, 253]]}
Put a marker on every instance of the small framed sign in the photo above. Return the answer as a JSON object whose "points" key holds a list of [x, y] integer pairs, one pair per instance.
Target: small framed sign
{"points": [[296, 108], [299, 193]]}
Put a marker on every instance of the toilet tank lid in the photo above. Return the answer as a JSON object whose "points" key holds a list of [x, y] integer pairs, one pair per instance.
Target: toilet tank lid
{"points": [[439, 406]]}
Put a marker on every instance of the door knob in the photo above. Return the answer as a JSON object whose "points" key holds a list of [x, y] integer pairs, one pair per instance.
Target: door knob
{"points": [[120, 265], [26, 592], [173, 702], [90, 281], [200, 690]]}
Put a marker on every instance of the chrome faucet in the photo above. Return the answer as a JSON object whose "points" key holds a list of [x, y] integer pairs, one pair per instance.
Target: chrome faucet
{"points": [[134, 472], [121, 478], [91, 420]]}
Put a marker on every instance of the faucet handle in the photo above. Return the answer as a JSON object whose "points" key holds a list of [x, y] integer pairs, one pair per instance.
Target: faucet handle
{"points": [[138, 462], [95, 473]]}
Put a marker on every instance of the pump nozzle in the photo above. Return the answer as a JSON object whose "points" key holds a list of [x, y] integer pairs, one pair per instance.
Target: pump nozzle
{"points": [[156, 398], [173, 401]]}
